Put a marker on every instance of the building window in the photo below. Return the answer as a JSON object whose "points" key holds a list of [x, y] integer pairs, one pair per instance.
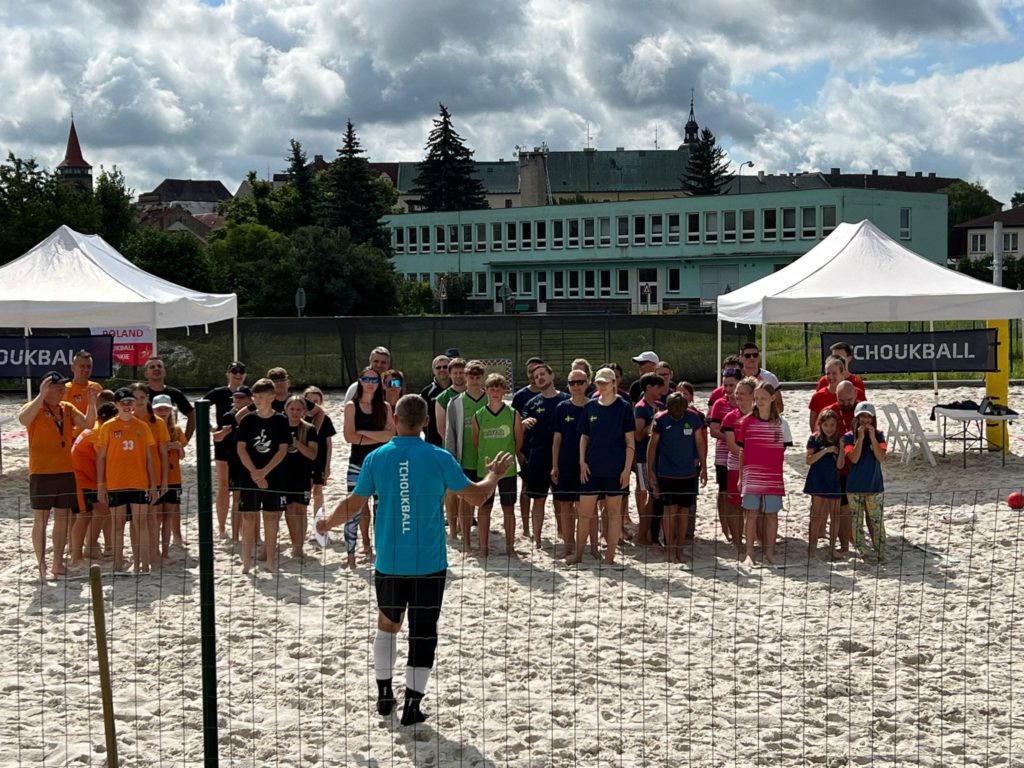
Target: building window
{"points": [[574, 284], [622, 230], [606, 282], [789, 223], [424, 278], [769, 224], [453, 238], [527, 283], [526, 235], [542, 233], [728, 226], [622, 281], [467, 237], [673, 229], [481, 283], [693, 227], [557, 233], [495, 237], [604, 231], [639, 230], [588, 283], [424, 239], [808, 223], [481, 237], [439, 238], [1009, 242], [904, 223], [413, 248], [510, 235], [410, 277], [574, 233], [710, 226], [512, 281], [400, 240], [588, 233], [979, 243], [747, 224], [558, 279], [673, 280], [828, 220], [657, 229], [508, 202]]}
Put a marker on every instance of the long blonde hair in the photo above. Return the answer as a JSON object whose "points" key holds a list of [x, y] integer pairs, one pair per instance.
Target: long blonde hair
{"points": [[773, 409]]}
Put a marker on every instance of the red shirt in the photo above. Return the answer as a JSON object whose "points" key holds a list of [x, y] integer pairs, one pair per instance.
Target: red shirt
{"points": [[853, 378]]}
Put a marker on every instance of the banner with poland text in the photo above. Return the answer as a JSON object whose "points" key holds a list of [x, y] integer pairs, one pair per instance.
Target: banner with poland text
{"points": [[133, 345]]}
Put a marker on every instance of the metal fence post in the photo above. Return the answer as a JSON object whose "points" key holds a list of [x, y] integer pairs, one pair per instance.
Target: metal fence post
{"points": [[207, 617]]}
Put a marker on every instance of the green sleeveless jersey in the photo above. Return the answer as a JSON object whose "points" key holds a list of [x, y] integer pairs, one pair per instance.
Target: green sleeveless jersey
{"points": [[469, 409], [497, 433]]}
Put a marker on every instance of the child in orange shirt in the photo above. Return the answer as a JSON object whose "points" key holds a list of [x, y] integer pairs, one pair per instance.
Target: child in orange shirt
{"points": [[126, 478], [154, 514], [170, 514]]}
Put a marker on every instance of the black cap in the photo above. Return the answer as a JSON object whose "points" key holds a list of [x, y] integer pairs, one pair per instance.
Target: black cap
{"points": [[236, 366], [124, 393], [242, 391], [55, 376], [452, 352]]}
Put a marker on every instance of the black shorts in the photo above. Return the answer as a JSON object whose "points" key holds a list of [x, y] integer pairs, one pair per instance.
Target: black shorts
{"points": [[538, 478], [843, 502], [237, 476], [318, 476], [722, 477], [678, 491], [53, 491], [261, 500], [602, 486], [568, 486], [221, 451], [173, 495], [90, 496], [397, 593], [506, 491], [297, 497], [126, 498]]}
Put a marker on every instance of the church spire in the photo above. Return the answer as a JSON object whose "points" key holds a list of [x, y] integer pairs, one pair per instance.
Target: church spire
{"points": [[74, 168], [691, 129]]}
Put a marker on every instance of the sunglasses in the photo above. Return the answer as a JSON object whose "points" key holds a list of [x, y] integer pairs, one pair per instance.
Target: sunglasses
{"points": [[733, 373], [577, 382], [440, 367], [393, 383], [370, 379], [236, 370], [751, 355]]}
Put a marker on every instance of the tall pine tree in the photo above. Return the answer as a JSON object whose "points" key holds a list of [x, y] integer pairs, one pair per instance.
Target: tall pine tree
{"points": [[708, 170], [352, 197], [445, 181]]}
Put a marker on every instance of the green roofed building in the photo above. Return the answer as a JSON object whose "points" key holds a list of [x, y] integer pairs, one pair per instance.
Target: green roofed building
{"points": [[628, 256]]}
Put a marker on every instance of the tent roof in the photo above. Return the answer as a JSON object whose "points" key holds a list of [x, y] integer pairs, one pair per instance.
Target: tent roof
{"points": [[71, 280], [858, 273]]}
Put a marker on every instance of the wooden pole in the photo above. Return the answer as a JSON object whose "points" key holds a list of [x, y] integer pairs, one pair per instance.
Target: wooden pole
{"points": [[100, 622]]}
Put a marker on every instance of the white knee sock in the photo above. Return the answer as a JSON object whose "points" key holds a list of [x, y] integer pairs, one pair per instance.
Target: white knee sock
{"points": [[385, 647], [416, 678]]}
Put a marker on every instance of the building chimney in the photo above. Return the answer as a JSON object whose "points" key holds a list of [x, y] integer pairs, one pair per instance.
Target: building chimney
{"points": [[874, 171], [918, 174], [760, 175], [834, 172], [901, 173], [931, 175]]}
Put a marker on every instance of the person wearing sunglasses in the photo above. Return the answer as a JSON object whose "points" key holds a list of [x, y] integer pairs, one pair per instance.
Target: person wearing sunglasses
{"points": [[222, 399], [438, 384], [565, 453], [394, 386], [751, 358], [369, 424]]}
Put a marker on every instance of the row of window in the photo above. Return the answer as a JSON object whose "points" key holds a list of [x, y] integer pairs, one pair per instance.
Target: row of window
{"points": [[979, 242], [572, 283], [710, 227]]}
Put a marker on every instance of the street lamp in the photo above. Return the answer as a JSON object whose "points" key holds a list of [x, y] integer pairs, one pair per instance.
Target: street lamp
{"points": [[739, 176]]}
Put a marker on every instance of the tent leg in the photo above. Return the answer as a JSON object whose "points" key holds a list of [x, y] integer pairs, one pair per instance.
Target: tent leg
{"points": [[935, 374], [718, 360], [764, 344], [28, 379], [234, 337]]}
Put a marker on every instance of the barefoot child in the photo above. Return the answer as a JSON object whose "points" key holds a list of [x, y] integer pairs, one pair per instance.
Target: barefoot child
{"points": [[676, 456], [743, 396], [325, 449], [717, 412], [497, 429], [763, 437], [865, 450], [263, 438], [297, 471], [565, 453], [825, 457], [170, 512]]}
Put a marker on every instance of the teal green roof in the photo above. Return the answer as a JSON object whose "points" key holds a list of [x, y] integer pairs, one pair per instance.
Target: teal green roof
{"points": [[596, 172], [498, 178]]}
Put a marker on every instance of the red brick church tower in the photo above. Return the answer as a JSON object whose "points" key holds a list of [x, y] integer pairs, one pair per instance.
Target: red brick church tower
{"points": [[74, 168]]}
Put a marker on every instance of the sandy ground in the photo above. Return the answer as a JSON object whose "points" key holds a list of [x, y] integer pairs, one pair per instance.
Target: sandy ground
{"points": [[912, 663]]}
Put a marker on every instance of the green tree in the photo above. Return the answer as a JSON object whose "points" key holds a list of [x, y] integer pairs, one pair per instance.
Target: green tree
{"points": [[305, 201], [445, 181], [968, 201], [1018, 199], [351, 196], [708, 170], [117, 212], [23, 209], [254, 262], [175, 256], [416, 297]]}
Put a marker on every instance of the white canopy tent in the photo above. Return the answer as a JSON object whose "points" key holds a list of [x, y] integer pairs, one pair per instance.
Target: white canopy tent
{"points": [[860, 274], [71, 280]]}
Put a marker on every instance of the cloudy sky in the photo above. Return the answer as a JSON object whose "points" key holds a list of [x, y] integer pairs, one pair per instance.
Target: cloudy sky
{"points": [[192, 89]]}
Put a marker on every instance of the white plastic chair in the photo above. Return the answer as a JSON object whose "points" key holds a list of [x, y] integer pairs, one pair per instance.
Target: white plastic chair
{"points": [[919, 439], [897, 436]]}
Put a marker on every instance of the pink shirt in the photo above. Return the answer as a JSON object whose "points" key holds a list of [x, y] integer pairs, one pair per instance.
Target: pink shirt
{"points": [[764, 445], [729, 422], [718, 411]]}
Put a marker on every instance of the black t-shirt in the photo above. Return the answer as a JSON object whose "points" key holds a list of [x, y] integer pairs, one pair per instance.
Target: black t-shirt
{"points": [[229, 441], [261, 438], [430, 395], [222, 399], [296, 470], [323, 437], [182, 403]]}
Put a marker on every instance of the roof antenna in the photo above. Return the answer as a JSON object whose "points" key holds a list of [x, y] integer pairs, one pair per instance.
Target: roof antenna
{"points": [[655, 137], [588, 135]]}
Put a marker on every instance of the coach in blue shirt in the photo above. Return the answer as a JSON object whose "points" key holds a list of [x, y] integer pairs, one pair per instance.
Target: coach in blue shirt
{"points": [[410, 478]]}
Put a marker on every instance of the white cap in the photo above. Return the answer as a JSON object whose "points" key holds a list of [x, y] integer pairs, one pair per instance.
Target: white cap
{"points": [[647, 357]]}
